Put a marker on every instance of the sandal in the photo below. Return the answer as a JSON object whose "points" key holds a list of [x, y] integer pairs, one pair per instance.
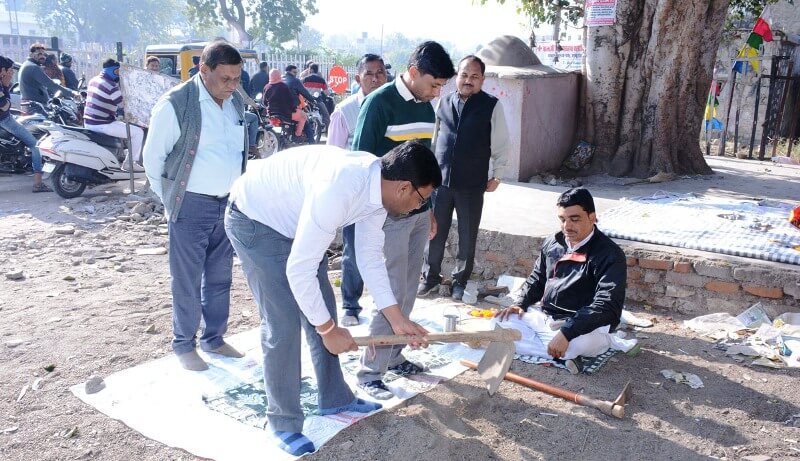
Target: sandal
{"points": [[41, 187], [407, 369]]}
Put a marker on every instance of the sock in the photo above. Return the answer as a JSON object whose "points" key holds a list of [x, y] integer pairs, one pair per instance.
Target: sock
{"points": [[294, 443], [357, 405]]}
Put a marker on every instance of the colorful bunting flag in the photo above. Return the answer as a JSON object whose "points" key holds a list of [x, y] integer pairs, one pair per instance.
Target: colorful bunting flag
{"points": [[743, 65], [762, 32], [712, 123]]}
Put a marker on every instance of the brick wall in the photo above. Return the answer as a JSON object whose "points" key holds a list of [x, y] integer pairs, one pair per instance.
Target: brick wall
{"points": [[685, 281]]}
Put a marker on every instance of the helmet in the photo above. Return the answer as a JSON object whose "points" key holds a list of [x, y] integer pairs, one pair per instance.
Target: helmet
{"points": [[65, 58]]}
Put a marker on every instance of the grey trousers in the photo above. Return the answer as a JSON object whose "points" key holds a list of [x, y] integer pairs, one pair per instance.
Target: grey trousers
{"points": [[403, 250], [263, 253]]}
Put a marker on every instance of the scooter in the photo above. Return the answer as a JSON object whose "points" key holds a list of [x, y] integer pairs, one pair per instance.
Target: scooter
{"points": [[77, 158], [15, 157]]}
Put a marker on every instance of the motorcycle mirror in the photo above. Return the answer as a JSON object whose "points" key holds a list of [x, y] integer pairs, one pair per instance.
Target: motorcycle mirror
{"points": [[56, 101]]}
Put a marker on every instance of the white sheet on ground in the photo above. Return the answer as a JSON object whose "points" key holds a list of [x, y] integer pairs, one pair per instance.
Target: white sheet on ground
{"points": [[165, 402]]}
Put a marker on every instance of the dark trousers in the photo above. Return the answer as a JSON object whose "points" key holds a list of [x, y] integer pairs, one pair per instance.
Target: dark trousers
{"points": [[468, 204], [352, 284], [200, 262]]}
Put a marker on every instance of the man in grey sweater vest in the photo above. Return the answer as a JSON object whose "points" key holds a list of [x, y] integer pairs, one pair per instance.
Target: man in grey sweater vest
{"points": [[194, 152]]}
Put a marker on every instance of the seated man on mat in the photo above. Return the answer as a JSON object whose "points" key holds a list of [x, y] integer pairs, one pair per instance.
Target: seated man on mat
{"points": [[578, 286]]}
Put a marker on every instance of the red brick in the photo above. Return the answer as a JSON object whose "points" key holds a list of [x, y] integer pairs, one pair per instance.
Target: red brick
{"points": [[764, 292], [722, 287], [659, 264], [634, 275], [683, 268], [630, 261]]}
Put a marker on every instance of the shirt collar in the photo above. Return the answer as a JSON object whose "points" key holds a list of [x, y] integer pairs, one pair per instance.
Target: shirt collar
{"points": [[204, 94], [405, 93], [360, 96], [572, 249]]}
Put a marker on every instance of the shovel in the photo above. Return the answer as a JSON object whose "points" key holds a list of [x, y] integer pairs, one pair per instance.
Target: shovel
{"points": [[495, 362]]}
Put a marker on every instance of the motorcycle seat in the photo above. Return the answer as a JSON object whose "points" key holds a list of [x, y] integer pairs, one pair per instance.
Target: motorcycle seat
{"points": [[282, 118], [100, 138]]}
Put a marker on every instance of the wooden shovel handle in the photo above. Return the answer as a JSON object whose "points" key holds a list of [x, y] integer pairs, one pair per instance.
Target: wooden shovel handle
{"points": [[505, 334]]}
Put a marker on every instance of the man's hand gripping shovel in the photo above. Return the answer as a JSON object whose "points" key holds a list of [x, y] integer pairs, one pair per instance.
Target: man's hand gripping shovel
{"points": [[495, 362]]}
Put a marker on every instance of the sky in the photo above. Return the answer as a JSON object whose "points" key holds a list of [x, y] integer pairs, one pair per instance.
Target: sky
{"points": [[465, 23]]}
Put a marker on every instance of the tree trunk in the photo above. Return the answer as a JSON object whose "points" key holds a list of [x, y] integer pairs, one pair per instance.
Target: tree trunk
{"points": [[237, 22], [647, 79]]}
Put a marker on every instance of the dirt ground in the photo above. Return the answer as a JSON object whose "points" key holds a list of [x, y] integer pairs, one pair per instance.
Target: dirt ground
{"points": [[87, 304]]}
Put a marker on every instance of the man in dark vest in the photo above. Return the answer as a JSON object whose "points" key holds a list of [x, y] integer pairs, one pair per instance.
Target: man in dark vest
{"points": [[195, 150], [470, 130]]}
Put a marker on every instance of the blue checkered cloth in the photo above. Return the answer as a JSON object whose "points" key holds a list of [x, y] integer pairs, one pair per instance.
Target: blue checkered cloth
{"points": [[756, 229]]}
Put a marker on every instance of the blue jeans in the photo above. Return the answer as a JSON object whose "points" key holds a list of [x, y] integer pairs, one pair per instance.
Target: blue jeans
{"points": [[19, 131], [200, 262], [352, 283], [263, 253], [252, 128]]}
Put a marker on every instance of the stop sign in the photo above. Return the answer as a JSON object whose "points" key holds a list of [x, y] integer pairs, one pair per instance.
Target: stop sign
{"points": [[337, 79]]}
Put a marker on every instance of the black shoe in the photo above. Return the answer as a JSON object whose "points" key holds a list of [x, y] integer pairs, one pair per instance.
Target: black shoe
{"points": [[458, 292], [376, 389], [407, 369], [426, 288]]}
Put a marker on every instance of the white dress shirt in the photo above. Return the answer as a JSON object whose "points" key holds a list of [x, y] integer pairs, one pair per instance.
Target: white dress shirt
{"points": [[306, 194], [219, 153]]}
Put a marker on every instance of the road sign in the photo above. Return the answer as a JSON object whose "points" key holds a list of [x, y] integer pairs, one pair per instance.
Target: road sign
{"points": [[337, 79]]}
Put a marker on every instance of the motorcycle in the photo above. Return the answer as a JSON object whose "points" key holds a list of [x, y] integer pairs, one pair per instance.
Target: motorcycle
{"points": [[77, 158], [314, 118], [267, 141], [15, 157]]}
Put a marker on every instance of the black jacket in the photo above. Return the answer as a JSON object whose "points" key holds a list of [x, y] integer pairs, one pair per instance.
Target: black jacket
{"points": [[587, 288]]}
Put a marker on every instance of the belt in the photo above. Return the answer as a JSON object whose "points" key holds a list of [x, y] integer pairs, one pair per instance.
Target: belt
{"points": [[215, 197]]}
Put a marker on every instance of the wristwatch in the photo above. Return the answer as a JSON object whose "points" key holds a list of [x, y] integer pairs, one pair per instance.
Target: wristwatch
{"points": [[497, 180]]}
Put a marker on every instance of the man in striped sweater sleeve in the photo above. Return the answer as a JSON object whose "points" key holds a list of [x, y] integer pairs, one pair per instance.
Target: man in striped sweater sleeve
{"points": [[103, 101]]}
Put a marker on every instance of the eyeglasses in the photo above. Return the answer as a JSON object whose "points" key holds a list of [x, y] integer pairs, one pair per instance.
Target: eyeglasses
{"points": [[422, 200]]}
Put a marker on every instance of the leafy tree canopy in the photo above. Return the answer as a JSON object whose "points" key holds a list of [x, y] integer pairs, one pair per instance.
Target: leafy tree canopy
{"points": [[546, 11], [109, 21], [259, 21]]}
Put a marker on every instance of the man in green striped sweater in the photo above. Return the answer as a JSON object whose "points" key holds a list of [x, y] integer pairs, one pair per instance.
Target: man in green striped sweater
{"points": [[394, 113]]}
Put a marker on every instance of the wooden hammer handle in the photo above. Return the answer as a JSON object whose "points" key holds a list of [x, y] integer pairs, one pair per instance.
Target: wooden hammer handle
{"points": [[505, 334]]}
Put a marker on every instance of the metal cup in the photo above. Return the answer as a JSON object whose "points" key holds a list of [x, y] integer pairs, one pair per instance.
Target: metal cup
{"points": [[450, 322]]}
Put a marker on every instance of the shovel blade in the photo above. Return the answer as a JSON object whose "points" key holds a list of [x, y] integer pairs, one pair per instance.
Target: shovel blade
{"points": [[495, 363]]}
